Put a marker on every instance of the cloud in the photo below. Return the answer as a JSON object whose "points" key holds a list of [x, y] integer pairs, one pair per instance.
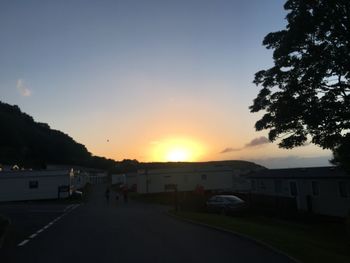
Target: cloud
{"points": [[253, 143], [257, 141], [229, 149], [23, 89]]}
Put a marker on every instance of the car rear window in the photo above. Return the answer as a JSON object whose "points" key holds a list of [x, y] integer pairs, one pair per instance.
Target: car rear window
{"points": [[234, 199]]}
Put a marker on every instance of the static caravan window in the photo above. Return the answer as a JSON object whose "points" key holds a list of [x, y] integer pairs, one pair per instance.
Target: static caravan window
{"points": [[261, 185], [253, 185], [343, 189], [315, 186], [293, 188], [33, 184], [278, 186]]}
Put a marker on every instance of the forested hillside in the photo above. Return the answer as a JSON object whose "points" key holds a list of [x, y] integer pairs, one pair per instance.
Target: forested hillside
{"points": [[33, 144]]}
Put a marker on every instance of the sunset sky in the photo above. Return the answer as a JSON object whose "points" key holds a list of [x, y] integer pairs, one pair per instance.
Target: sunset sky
{"points": [[147, 80]]}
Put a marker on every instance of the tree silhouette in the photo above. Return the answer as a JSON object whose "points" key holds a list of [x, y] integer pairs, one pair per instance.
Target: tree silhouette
{"points": [[305, 95], [33, 144]]}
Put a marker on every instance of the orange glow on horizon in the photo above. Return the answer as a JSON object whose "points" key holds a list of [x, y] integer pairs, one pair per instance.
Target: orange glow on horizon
{"points": [[177, 150]]}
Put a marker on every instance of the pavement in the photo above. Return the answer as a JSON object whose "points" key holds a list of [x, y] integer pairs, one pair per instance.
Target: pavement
{"points": [[130, 232]]}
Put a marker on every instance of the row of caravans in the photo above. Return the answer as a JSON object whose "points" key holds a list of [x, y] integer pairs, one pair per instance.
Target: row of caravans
{"points": [[319, 190], [20, 185], [187, 177]]}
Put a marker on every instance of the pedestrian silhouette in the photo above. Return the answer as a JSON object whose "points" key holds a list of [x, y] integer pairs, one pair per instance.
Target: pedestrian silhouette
{"points": [[107, 195], [125, 194]]}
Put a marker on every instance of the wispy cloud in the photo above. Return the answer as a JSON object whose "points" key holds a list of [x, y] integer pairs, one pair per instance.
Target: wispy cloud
{"points": [[23, 89], [230, 149], [253, 143], [257, 141]]}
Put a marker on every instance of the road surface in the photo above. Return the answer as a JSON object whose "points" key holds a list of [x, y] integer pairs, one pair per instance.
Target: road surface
{"points": [[133, 232]]}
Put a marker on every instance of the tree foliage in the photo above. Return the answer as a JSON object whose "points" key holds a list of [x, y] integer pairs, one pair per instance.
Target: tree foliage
{"points": [[28, 143], [306, 93]]}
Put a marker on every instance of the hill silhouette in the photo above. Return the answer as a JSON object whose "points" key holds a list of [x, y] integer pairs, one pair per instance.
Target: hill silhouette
{"points": [[33, 144], [235, 164], [127, 166]]}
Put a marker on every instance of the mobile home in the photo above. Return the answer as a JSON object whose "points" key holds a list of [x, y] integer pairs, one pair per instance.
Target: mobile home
{"points": [[319, 190], [34, 185]]}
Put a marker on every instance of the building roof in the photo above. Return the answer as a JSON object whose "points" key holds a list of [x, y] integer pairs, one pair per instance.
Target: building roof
{"points": [[34, 173], [74, 167], [329, 172]]}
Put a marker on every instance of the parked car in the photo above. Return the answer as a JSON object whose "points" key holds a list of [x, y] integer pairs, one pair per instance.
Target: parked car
{"points": [[225, 204]]}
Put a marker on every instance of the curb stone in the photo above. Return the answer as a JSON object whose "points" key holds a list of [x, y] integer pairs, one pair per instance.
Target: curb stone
{"points": [[249, 238]]}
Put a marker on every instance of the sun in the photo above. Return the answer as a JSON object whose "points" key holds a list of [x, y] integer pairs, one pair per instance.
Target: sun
{"points": [[178, 155], [176, 150]]}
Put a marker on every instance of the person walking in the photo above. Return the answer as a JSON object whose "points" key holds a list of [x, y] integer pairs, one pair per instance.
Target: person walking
{"points": [[107, 195], [125, 193]]}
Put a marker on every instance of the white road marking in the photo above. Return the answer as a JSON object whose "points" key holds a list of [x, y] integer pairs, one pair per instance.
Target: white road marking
{"points": [[67, 210], [34, 235], [68, 207], [23, 242]]}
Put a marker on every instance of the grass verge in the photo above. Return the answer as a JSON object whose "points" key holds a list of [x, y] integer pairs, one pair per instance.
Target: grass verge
{"points": [[160, 199], [308, 243]]}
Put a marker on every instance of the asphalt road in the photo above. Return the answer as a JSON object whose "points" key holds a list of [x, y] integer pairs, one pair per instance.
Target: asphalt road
{"points": [[28, 217], [101, 232]]}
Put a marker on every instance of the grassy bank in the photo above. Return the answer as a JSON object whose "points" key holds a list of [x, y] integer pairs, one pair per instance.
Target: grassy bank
{"points": [[317, 242], [161, 199]]}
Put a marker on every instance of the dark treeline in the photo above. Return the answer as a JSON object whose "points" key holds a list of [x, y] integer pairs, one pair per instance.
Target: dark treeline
{"points": [[34, 145]]}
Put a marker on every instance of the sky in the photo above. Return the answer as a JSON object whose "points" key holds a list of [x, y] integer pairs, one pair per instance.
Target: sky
{"points": [[153, 80]]}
